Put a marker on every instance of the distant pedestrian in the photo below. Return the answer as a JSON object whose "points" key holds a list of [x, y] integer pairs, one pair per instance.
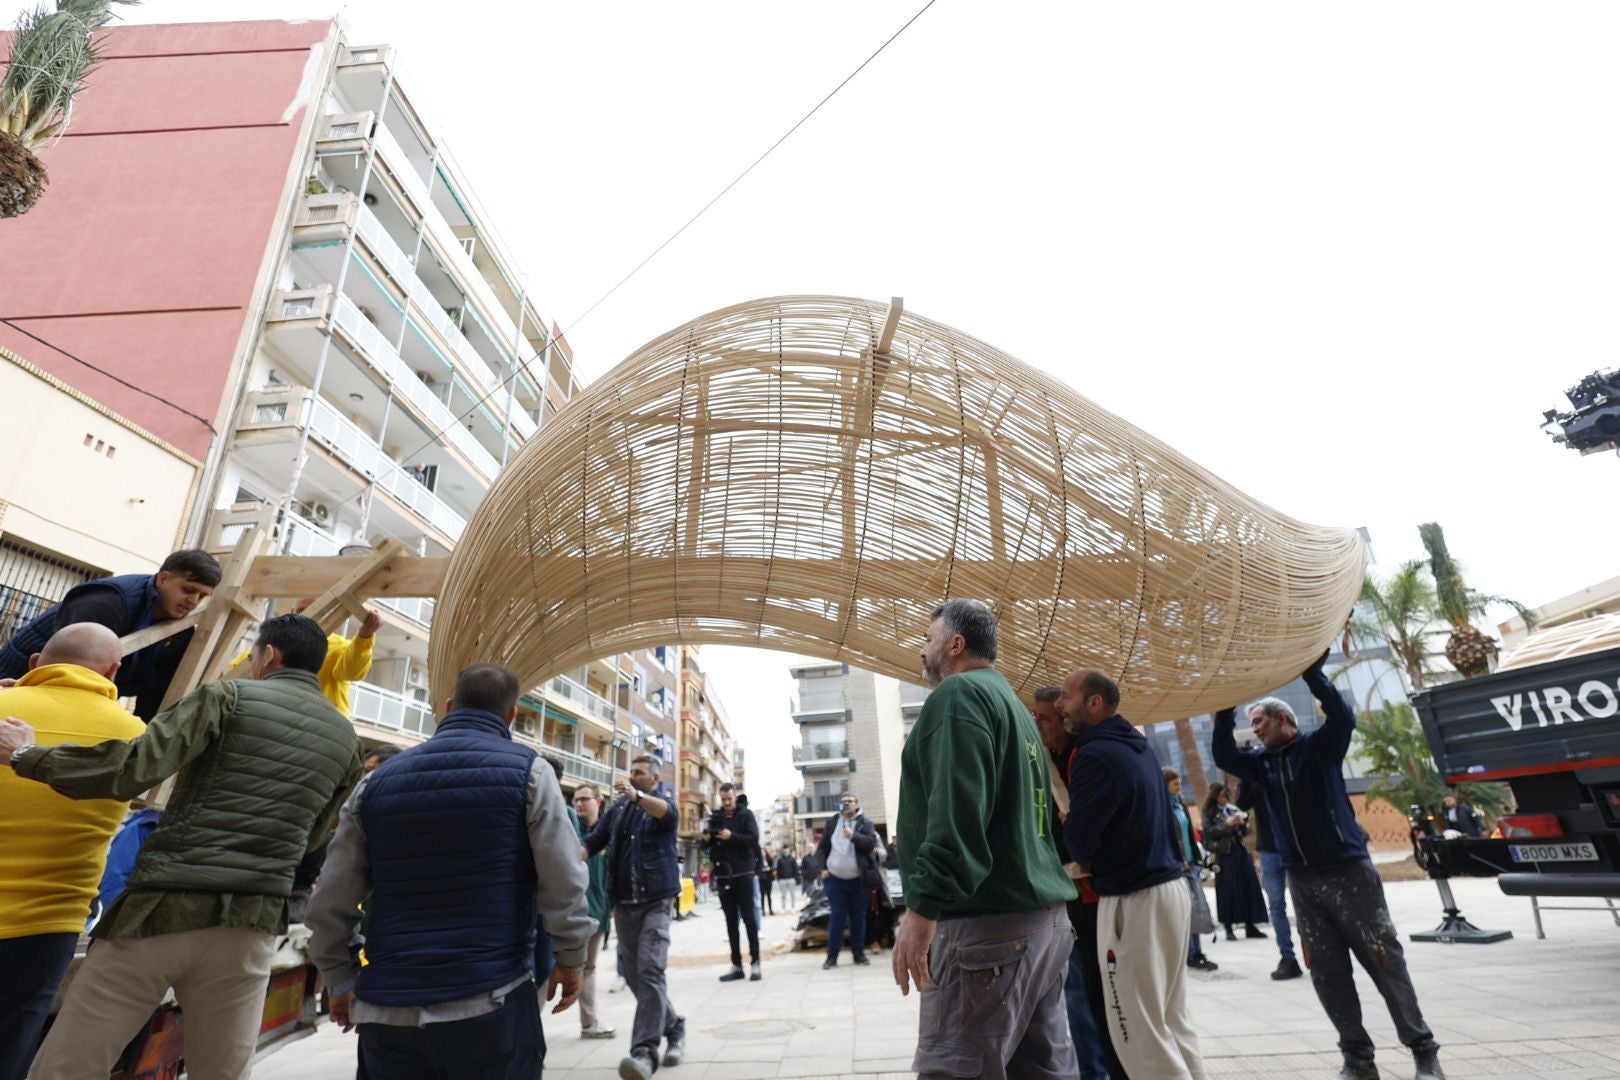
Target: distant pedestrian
{"points": [[810, 867], [264, 765], [53, 848], [588, 807], [702, 884], [1273, 878], [638, 833], [1187, 847], [1463, 818], [460, 843], [848, 842], [787, 881], [767, 875], [733, 837], [1238, 898], [1082, 981], [985, 923], [1338, 896], [1119, 824]]}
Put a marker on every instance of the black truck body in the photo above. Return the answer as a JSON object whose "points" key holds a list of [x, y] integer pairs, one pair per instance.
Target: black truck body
{"points": [[1551, 731]]}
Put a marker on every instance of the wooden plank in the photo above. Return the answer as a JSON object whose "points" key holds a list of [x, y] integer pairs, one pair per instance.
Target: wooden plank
{"points": [[224, 608], [891, 322], [339, 594], [290, 577], [140, 639]]}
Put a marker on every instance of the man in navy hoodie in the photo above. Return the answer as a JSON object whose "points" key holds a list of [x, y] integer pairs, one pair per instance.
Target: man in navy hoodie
{"points": [[1338, 896], [1119, 825]]}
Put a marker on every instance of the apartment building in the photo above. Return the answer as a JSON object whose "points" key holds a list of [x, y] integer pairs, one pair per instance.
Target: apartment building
{"points": [[852, 726], [706, 755], [262, 242]]}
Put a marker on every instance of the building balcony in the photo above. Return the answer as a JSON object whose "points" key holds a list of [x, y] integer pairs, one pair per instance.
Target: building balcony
{"points": [[591, 708], [577, 768], [821, 754], [821, 715], [273, 417], [390, 709], [816, 805]]}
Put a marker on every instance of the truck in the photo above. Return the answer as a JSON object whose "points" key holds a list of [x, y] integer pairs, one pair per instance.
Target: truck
{"points": [[1551, 731]]}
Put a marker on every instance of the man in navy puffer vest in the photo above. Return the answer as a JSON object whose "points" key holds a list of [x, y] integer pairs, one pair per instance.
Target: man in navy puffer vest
{"points": [[457, 840]]}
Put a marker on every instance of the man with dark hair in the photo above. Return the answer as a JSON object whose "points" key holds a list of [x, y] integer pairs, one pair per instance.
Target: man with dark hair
{"points": [[378, 755], [1082, 981], [1119, 825], [125, 604], [787, 880], [732, 834], [983, 885], [848, 873], [462, 843], [1338, 896], [638, 833], [266, 763]]}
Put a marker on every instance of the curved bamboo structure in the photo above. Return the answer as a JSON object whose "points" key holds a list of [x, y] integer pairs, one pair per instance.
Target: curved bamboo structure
{"points": [[813, 474]]}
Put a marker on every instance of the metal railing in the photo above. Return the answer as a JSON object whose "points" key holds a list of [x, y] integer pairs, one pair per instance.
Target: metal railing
{"points": [[817, 804], [416, 608], [577, 766], [389, 709], [576, 695], [821, 751]]}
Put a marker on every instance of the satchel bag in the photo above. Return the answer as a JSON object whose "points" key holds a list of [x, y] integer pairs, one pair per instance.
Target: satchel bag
{"points": [[1202, 921]]}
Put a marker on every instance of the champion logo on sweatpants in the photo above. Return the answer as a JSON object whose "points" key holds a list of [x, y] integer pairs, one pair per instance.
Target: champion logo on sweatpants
{"points": [[1113, 992]]}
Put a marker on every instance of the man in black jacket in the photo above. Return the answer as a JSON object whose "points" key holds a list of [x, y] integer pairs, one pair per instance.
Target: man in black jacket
{"points": [[848, 873], [787, 880], [1338, 896], [733, 837]]}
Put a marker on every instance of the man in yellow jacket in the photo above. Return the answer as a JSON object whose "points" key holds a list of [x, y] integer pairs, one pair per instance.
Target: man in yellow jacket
{"points": [[347, 659], [52, 848]]}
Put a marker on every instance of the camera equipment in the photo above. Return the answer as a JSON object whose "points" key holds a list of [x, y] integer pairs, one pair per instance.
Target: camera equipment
{"points": [[1593, 424]]}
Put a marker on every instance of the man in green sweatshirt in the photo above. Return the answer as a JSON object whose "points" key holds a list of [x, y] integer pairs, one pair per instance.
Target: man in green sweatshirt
{"points": [[985, 892]]}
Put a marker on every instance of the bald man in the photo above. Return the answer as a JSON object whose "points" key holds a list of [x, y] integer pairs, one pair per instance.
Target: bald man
{"points": [[52, 848]]}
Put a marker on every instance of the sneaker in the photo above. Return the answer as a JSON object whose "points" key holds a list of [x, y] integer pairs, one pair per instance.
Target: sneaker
{"points": [[1358, 1070], [639, 1065], [1428, 1065], [617, 986], [829, 963], [1287, 968], [860, 958], [597, 1030], [1203, 963], [1229, 935], [1253, 931], [733, 975], [675, 1039], [754, 974]]}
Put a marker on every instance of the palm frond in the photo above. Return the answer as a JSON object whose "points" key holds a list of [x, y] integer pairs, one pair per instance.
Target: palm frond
{"points": [[52, 54]]}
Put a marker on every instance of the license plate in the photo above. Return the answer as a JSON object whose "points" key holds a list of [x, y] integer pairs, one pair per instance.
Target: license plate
{"points": [[1533, 853]]}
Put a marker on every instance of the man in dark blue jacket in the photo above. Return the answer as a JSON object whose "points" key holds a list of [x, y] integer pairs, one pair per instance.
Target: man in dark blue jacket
{"points": [[644, 877], [1338, 897], [1119, 825], [458, 841]]}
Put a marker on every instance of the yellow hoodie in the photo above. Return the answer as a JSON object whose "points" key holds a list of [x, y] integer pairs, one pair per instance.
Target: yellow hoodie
{"points": [[347, 659], [52, 848]]}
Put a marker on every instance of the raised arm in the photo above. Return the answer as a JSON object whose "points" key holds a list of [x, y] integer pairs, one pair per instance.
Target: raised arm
{"points": [[1223, 748], [1333, 737]]}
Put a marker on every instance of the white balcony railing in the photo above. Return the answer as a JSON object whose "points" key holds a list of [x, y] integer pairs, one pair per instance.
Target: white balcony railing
{"points": [[400, 165], [388, 709], [416, 608], [577, 765], [379, 351], [307, 538], [581, 698]]}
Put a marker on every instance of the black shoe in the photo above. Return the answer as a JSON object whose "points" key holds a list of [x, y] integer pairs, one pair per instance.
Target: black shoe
{"points": [[641, 1064], [1254, 931], [1287, 968], [1358, 1070], [1203, 963], [1428, 1065], [860, 958], [733, 975], [830, 963], [1229, 935]]}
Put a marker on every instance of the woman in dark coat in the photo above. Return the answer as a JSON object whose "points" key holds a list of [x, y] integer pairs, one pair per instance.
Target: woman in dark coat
{"points": [[1238, 896]]}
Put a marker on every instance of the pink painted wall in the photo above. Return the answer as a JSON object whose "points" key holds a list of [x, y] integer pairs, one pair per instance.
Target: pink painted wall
{"points": [[142, 255]]}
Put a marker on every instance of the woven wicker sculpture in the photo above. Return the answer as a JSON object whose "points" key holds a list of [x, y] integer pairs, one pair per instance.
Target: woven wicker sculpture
{"points": [[814, 474]]}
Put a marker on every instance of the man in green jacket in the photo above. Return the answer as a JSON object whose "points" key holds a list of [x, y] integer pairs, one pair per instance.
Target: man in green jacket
{"points": [[588, 807], [985, 893], [267, 764]]}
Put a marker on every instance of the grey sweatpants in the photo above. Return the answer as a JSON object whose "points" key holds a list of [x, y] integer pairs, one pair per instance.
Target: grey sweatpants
{"points": [[643, 931], [993, 1007], [1340, 911]]}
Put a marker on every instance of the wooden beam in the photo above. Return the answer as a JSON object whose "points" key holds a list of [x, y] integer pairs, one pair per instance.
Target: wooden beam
{"points": [[891, 322], [226, 608], [290, 577], [140, 639], [339, 595]]}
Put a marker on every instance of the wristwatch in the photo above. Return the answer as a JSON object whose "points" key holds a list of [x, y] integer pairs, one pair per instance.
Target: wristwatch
{"points": [[638, 794], [16, 755]]}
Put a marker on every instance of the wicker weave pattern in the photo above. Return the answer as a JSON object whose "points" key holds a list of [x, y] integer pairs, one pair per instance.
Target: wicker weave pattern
{"points": [[764, 475]]}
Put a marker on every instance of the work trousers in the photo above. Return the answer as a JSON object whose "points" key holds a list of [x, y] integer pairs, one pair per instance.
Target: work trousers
{"points": [[737, 901], [1140, 938], [505, 1044], [993, 1004], [33, 967], [787, 894], [1341, 911], [587, 981], [219, 976], [1275, 879], [643, 931], [846, 903]]}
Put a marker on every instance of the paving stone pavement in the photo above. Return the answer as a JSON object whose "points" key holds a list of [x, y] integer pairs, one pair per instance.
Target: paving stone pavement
{"points": [[1517, 1010]]}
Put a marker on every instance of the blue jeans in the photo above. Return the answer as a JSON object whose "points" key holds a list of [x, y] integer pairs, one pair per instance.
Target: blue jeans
{"points": [[34, 966], [1082, 1022], [1276, 884], [847, 901], [506, 1044]]}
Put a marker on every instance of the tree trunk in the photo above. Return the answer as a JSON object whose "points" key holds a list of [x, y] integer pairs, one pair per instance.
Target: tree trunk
{"points": [[1193, 779]]}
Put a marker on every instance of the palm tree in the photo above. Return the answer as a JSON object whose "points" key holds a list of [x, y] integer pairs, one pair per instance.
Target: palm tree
{"points": [[1402, 611], [1469, 649], [1392, 744], [51, 56]]}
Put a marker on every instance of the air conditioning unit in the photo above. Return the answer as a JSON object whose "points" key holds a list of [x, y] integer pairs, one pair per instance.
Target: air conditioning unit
{"points": [[321, 513], [416, 677]]}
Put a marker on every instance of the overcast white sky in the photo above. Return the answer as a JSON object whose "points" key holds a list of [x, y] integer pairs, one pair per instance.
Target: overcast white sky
{"points": [[1343, 255]]}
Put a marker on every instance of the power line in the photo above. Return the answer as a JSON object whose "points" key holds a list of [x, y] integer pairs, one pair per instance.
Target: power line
{"points": [[103, 371]]}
